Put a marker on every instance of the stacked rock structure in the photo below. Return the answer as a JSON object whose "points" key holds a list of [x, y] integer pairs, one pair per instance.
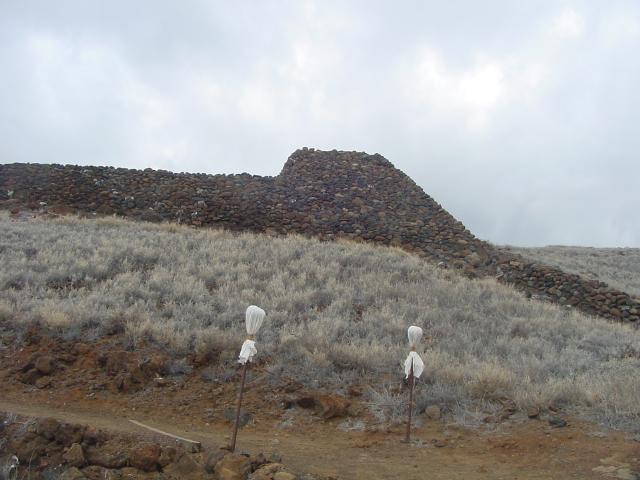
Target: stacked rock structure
{"points": [[324, 194]]}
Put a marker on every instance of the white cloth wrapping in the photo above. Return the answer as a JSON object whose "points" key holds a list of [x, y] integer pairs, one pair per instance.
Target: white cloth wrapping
{"points": [[253, 319], [247, 351], [418, 365], [415, 334]]}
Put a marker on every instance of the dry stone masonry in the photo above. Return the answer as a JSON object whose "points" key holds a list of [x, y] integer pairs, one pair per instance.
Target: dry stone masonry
{"points": [[325, 194]]}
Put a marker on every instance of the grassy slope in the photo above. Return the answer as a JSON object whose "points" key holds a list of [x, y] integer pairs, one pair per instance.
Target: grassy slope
{"points": [[618, 267], [336, 312]]}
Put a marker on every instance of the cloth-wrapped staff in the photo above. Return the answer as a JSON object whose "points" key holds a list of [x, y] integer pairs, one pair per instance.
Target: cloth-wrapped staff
{"points": [[253, 320], [413, 368]]}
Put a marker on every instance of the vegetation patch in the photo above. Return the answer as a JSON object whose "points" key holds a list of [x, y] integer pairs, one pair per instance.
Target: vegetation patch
{"points": [[337, 314]]}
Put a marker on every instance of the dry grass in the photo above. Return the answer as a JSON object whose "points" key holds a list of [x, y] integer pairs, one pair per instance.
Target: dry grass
{"points": [[618, 267], [337, 312]]}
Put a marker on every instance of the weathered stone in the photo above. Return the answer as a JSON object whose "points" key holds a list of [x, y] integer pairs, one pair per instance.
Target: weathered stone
{"points": [[145, 457], [74, 456], [45, 364], [72, 474], [43, 382], [94, 472], [557, 422], [168, 455], [109, 455], [47, 427], [257, 461], [266, 472], [185, 468], [213, 458], [233, 467], [69, 433], [533, 412]]}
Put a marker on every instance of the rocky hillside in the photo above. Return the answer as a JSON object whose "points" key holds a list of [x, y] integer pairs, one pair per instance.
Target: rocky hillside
{"points": [[325, 194]]}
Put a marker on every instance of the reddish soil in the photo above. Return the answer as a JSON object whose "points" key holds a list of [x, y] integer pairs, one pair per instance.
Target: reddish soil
{"points": [[103, 385]]}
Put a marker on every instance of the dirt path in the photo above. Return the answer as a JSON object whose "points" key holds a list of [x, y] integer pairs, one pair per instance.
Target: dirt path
{"points": [[520, 452]]}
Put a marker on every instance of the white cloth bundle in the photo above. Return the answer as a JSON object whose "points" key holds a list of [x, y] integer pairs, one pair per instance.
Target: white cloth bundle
{"points": [[254, 319], [418, 365], [415, 334], [247, 351]]}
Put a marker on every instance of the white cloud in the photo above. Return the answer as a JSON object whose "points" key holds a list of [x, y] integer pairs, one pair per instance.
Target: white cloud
{"points": [[482, 87], [619, 27], [568, 23], [475, 93]]}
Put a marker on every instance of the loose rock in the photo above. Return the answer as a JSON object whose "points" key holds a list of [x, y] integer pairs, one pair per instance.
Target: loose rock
{"points": [[74, 456]]}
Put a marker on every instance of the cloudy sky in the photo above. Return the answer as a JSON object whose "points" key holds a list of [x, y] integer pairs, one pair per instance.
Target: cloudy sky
{"points": [[521, 118]]}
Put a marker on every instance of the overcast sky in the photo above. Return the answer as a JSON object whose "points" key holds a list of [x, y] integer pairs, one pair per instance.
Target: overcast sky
{"points": [[522, 118]]}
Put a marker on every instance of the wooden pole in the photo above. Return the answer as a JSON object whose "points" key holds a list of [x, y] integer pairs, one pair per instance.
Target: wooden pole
{"points": [[235, 428], [407, 437]]}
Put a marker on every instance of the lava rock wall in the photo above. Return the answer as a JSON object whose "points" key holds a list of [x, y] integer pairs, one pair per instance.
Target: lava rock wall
{"points": [[325, 194]]}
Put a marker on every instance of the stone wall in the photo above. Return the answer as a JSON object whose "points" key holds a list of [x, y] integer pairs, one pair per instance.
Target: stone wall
{"points": [[326, 194]]}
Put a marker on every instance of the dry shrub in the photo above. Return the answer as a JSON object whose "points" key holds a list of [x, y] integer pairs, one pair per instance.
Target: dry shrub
{"points": [[491, 382], [6, 311], [51, 315]]}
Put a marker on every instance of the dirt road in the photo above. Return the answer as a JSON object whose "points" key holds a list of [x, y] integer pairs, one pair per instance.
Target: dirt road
{"points": [[528, 451]]}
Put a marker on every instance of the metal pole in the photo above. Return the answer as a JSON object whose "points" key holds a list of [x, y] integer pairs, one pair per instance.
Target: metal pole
{"points": [[235, 428], [407, 437]]}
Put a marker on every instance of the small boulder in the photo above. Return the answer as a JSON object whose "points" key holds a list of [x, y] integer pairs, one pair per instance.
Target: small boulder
{"points": [[45, 364], [533, 412], [213, 458], [94, 472], [47, 427], [557, 422], [108, 455], [266, 472], [72, 474], [474, 259], [90, 436], [145, 457], [233, 467], [185, 468], [74, 456], [43, 382], [257, 461], [68, 434], [168, 455]]}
